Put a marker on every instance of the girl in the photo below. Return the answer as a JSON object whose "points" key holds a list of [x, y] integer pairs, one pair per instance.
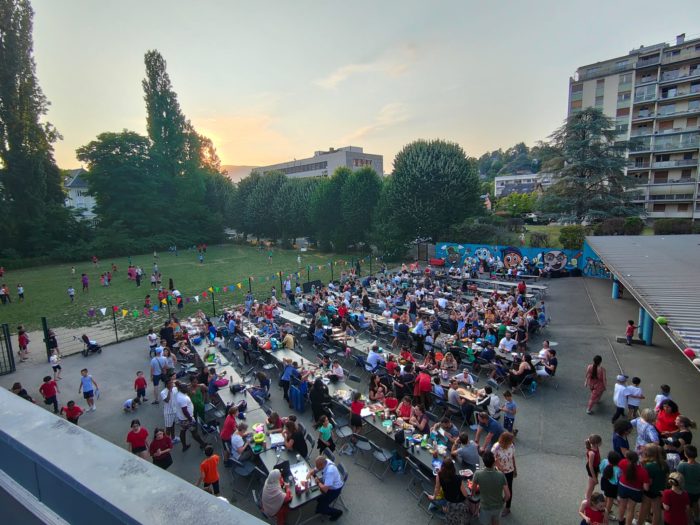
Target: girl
{"points": [[592, 462], [504, 453], [609, 478], [404, 409], [325, 436], [356, 409], [137, 439], [591, 511], [633, 480], [596, 381], [657, 468], [377, 390], [676, 502], [160, 449]]}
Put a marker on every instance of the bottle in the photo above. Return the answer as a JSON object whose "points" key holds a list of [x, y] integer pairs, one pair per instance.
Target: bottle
{"points": [[424, 441]]}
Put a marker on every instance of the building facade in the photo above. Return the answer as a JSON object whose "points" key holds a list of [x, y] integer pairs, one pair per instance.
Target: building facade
{"points": [[521, 183], [77, 194], [653, 93], [324, 163]]}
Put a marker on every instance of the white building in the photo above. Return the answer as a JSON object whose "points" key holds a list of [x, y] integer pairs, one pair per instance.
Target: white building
{"points": [[324, 163], [521, 183], [77, 194]]}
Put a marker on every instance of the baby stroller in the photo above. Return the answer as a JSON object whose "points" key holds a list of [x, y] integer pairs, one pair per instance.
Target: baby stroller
{"points": [[90, 346]]}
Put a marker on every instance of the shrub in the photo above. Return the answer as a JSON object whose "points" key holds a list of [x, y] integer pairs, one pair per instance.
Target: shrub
{"points": [[613, 226], [672, 226], [572, 237], [476, 232], [539, 240], [633, 226]]}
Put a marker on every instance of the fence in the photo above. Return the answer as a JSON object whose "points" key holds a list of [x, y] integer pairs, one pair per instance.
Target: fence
{"points": [[7, 359]]}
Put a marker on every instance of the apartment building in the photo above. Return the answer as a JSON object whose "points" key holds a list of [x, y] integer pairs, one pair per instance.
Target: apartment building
{"points": [[653, 93], [324, 163], [504, 185]]}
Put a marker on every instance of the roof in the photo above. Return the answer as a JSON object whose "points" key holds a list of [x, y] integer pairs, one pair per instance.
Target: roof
{"points": [[661, 274], [75, 180]]}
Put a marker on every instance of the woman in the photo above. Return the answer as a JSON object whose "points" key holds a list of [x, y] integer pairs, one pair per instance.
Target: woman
{"points": [[596, 381], [294, 439], [404, 385], [198, 395], [666, 418], [227, 431], [170, 361], [137, 439], [592, 462], [524, 369], [454, 493], [646, 432], [684, 434], [320, 399], [504, 453], [419, 420], [377, 390], [449, 362], [634, 479], [405, 409], [428, 362], [160, 449], [391, 364], [657, 468], [276, 497]]}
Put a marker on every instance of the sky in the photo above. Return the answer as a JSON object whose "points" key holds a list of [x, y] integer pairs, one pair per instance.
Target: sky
{"points": [[270, 81]]}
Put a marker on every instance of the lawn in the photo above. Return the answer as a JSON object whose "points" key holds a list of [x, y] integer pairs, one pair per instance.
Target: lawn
{"points": [[45, 287], [553, 230]]}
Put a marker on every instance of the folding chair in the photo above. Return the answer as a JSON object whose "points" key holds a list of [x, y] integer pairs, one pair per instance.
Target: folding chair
{"points": [[344, 476], [311, 446], [258, 505], [379, 455], [329, 454], [527, 385], [245, 470], [434, 512], [418, 481], [362, 444]]}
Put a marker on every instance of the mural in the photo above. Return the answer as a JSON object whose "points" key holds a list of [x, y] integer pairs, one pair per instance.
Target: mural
{"points": [[558, 258]]}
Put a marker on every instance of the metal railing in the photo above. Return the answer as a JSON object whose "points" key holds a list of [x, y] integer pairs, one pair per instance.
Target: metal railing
{"points": [[676, 163]]}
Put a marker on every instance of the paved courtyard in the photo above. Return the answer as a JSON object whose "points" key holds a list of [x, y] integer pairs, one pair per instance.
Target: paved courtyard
{"points": [[553, 424]]}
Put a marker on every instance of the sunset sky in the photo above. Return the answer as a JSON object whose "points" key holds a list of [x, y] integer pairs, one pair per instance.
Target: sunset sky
{"points": [[269, 81]]}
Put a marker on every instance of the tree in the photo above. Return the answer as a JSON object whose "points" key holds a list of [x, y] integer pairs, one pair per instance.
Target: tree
{"points": [[244, 189], [359, 198], [325, 210], [291, 207], [572, 237], [592, 183], [517, 204], [433, 186], [259, 205], [32, 194]]}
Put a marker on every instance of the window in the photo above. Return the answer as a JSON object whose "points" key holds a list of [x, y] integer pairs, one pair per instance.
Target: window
{"points": [[623, 112], [659, 207], [600, 82], [674, 53], [599, 101], [626, 78], [576, 88], [625, 95], [301, 168], [687, 156], [685, 174], [576, 104], [662, 158], [621, 64], [360, 163], [645, 93], [682, 207]]}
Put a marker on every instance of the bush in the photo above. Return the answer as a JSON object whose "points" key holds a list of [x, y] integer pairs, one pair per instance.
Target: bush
{"points": [[539, 240], [572, 237], [672, 226], [614, 226], [633, 226], [476, 232]]}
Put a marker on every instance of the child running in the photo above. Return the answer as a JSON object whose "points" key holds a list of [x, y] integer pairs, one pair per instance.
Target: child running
{"points": [[49, 389], [72, 412]]}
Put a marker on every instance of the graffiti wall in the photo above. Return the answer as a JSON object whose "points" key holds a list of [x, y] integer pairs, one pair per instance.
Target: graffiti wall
{"points": [[558, 258]]}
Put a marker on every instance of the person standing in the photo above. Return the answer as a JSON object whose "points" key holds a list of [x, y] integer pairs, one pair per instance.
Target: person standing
{"points": [[504, 453], [84, 279], [158, 365], [596, 381], [71, 293], [55, 361], [170, 409], [330, 483], [690, 469], [140, 386], [88, 386], [493, 488], [209, 471], [20, 292], [137, 439], [49, 389], [620, 397], [23, 342], [3, 296], [160, 449], [185, 411]]}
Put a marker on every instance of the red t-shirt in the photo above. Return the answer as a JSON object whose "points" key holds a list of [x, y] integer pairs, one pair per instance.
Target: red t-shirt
{"points": [[357, 406], [629, 331], [137, 439], [597, 517], [391, 403], [229, 428], [268, 311], [163, 444], [666, 422], [342, 311], [641, 478], [521, 288], [678, 503], [140, 383], [391, 366], [72, 413], [48, 389], [405, 411], [425, 383]]}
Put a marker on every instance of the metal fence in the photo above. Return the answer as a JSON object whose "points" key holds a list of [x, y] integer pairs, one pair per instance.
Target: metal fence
{"points": [[7, 359]]}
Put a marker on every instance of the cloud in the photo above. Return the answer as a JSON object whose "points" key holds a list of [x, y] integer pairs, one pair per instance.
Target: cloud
{"points": [[390, 115]]}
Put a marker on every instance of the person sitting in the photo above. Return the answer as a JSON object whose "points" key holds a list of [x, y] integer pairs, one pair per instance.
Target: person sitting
{"points": [[446, 429], [374, 358], [549, 366], [377, 390], [274, 423], [466, 451], [524, 369], [391, 402], [276, 496], [404, 410], [419, 420], [428, 362], [449, 362], [406, 355], [294, 439]]}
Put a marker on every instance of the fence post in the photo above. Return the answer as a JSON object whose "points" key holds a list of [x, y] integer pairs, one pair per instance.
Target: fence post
{"points": [[7, 360], [332, 271], [45, 328], [308, 272], [114, 321], [250, 285], [282, 290], [213, 304]]}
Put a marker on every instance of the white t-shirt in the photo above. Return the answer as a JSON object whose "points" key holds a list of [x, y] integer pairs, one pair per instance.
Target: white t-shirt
{"points": [[170, 407], [442, 302], [53, 360], [633, 391], [236, 443], [660, 398], [183, 401], [128, 404], [507, 344], [152, 339], [620, 395]]}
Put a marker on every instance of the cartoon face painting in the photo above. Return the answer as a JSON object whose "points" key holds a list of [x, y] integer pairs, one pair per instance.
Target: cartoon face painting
{"points": [[555, 259], [511, 257], [482, 254], [453, 256]]}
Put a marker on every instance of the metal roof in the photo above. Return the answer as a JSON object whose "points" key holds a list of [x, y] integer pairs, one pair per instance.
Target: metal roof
{"points": [[661, 273]]}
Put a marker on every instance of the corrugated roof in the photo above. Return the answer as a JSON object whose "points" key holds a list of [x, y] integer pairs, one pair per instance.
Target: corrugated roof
{"points": [[663, 274]]}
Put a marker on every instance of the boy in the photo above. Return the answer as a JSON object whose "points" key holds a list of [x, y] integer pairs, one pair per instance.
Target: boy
{"points": [[71, 293], [55, 364], [509, 409], [629, 332], [620, 397], [88, 386], [49, 389], [130, 405], [140, 385], [72, 412], [634, 396], [209, 471]]}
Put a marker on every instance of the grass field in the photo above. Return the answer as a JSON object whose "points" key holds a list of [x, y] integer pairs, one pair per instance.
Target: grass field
{"points": [[553, 230], [45, 288]]}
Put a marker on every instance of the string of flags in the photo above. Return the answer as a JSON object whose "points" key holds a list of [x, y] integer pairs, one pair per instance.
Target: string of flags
{"points": [[163, 302]]}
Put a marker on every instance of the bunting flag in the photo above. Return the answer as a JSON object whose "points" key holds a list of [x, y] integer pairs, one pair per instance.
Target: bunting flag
{"points": [[204, 294], [210, 289], [238, 285], [217, 289], [196, 298], [164, 301], [187, 299], [103, 311], [124, 312], [115, 308], [156, 308], [224, 289], [146, 312], [135, 313], [91, 312]]}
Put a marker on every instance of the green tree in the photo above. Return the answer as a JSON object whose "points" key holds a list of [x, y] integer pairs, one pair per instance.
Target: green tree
{"points": [[259, 205], [572, 237], [433, 186], [359, 198], [592, 183], [36, 220], [517, 204], [291, 207], [325, 211], [244, 189]]}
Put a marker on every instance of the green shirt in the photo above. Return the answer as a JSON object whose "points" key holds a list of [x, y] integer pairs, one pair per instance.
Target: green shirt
{"points": [[691, 473], [502, 331], [325, 432], [491, 484], [658, 478]]}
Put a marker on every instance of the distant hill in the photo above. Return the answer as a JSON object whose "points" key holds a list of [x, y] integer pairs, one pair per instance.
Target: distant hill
{"points": [[236, 173]]}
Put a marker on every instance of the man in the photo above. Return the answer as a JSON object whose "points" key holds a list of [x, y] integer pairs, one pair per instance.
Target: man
{"points": [[231, 326], [170, 409], [447, 430], [168, 334], [330, 482], [288, 290], [465, 407], [493, 488], [549, 367], [288, 341], [466, 451], [374, 358], [290, 371], [185, 411], [507, 344], [492, 428], [158, 370], [240, 446]]}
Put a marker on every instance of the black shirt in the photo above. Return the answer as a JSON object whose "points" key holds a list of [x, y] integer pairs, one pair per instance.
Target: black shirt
{"points": [[299, 444], [452, 490]]}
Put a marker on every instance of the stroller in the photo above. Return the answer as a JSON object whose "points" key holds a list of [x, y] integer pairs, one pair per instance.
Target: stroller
{"points": [[90, 346]]}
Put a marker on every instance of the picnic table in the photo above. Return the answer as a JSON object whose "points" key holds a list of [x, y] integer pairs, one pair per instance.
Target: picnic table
{"points": [[272, 458]]}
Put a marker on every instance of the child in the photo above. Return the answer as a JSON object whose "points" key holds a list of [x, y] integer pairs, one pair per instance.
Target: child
{"points": [[55, 364], [591, 510], [325, 436], [592, 462], [72, 412], [140, 385], [49, 389], [629, 332], [356, 409], [675, 501], [609, 478], [20, 292], [620, 397], [634, 396], [663, 395], [209, 471], [509, 409], [673, 456], [130, 405], [152, 340], [88, 387], [691, 471], [71, 293], [23, 341]]}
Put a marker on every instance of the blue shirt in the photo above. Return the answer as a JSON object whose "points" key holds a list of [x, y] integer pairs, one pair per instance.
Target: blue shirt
{"points": [[619, 442], [492, 427], [86, 382], [419, 329], [511, 406], [373, 359], [289, 372], [231, 326], [331, 476]]}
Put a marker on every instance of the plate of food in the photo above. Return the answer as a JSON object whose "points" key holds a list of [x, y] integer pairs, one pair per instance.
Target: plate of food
{"points": [[466, 473]]}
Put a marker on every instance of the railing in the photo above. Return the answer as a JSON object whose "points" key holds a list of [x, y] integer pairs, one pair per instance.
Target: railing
{"points": [[641, 132], [674, 181], [692, 91], [598, 71], [644, 98], [675, 163], [640, 115], [666, 146], [639, 165], [667, 77], [679, 112], [644, 62], [672, 197], [683, 55]]}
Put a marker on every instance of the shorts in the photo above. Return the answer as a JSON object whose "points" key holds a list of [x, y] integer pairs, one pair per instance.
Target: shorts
{"points": [[508, 423], [608, 488], [628, 493], [56, 368], [89, 394], [356, 420], [141, 392], [169, 418], [486, 515], [214, 486], [184, 424], [693, 498], [156, 379], [588, 471], [138, 450], [74, 421]]}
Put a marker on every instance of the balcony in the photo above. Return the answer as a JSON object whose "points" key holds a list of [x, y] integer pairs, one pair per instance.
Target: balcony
{"points": [[687, 180], [677, 77], [679, 113], [675, 163], [644, 98], [647, 61], [672, 197], [643, 115], [638, 166], [694, 90], [685, 54], [641, 132], [676, 145]]}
